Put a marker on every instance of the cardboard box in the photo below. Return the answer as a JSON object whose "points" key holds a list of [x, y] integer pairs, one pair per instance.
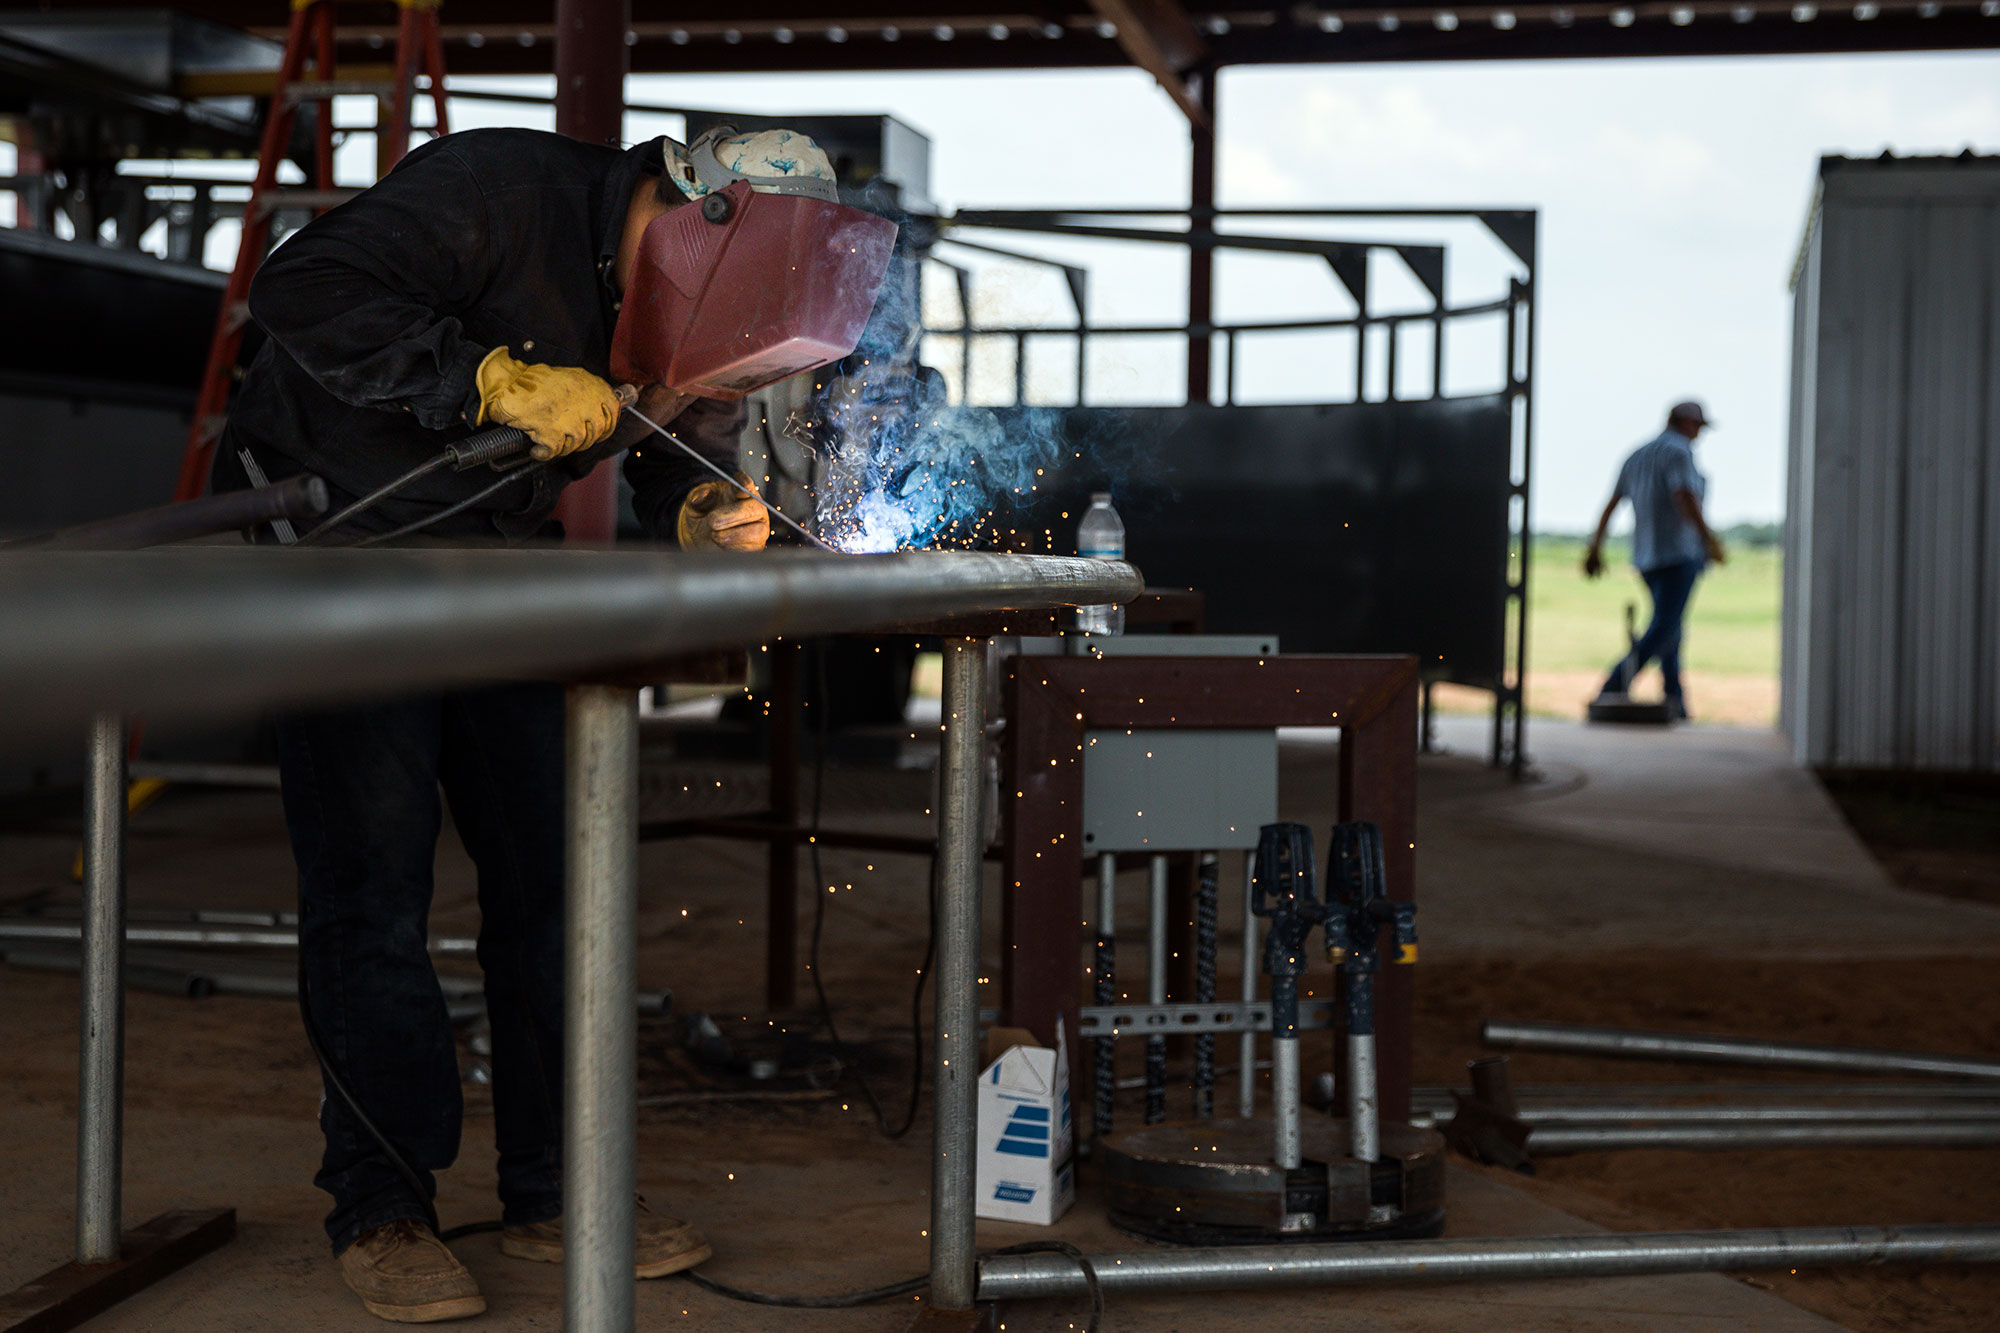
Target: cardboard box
{"points": [[1023, 1169]]}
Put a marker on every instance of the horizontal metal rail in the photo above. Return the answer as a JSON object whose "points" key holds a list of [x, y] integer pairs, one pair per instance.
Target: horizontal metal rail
{"points": [[204, 937], [224, 632], [1545, 1140], [1022, 1277], [1531, 1094], [1747, 1113], [1572, 1039]]}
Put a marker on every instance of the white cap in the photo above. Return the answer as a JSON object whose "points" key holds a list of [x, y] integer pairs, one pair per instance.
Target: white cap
{"points": [[773, 161]]}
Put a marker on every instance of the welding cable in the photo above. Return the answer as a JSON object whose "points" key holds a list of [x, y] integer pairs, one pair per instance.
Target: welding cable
{"points": [[335, 1080], [847, 1061], [849, 1300], [451, 511], [324, 530]]}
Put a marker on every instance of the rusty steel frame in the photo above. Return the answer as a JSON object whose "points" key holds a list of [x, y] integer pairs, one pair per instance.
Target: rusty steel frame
{"points": [[1050, 702]]}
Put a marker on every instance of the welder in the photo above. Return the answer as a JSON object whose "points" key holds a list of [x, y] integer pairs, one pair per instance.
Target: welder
{"points": [[490, 279]]}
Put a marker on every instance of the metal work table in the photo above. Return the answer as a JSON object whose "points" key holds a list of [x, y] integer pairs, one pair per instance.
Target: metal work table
{"points": [[92, 637]]}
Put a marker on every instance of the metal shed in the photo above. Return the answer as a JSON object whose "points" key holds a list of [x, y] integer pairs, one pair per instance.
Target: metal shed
{"points": [[1891, 655]]}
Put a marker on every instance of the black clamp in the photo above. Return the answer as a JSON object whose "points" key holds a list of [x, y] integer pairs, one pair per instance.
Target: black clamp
{"points": [[1282, 890], [1361, 907]]}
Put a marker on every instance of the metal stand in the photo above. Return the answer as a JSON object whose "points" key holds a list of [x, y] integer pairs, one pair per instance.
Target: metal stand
{"points": [[110, 1263], [600, 1033], [954, 1271]]}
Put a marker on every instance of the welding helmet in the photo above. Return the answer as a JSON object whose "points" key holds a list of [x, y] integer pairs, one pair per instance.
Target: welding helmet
{"points": [[764, 274]]}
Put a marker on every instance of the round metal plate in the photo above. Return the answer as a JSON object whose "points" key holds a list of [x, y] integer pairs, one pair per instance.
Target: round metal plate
{"points": [[1213, 1182]]}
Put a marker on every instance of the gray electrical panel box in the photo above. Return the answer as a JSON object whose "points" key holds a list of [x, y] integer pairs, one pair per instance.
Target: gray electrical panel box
{"points": [[1175, 790]]}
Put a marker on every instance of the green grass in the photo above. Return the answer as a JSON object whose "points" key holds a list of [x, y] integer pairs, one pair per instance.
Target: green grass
{"points": [[1576, 623]]}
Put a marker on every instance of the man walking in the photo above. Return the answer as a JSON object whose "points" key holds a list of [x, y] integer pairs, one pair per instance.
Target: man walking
{"points": [[1671, 545]]}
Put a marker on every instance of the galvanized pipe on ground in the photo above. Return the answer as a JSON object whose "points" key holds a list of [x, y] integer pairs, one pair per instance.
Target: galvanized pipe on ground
{"points": [[1573, 1039], [1031, 1276], [1548, 1140], [1748, 1113]]}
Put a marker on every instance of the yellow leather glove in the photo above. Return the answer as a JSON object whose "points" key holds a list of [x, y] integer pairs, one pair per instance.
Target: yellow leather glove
{"points": [[562, 408], [728, 517]]}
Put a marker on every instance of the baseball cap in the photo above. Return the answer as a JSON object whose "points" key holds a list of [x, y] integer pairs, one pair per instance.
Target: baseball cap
{"points": [[1690, 410]]}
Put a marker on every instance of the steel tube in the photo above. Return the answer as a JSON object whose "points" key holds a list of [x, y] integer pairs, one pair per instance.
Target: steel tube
{"points": [[1680, 1093], [1571, 1039], [216, 632], [233, 937], [1246, 1066], [1156, 985], [1544, 1140], [961, 792], [1285, 1145], [600, 1024], [303, 496], [1749, 1113], [100, 1112], [1363, 1109], [1029, 1276], [1104, 1067]]}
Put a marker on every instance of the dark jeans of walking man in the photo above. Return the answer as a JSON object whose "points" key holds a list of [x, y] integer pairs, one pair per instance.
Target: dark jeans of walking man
{"points": [[1671, 545]]}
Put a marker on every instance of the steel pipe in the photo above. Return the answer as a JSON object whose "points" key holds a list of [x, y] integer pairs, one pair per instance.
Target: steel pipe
{"points": [[1514, 1258], [215, 632], [100, 1115], [1156, 984], [303, 496], [1246, 1046], [1747, 1113], [1572, 1039], [1546, 1140], [1440, 1098], [229, 937], [600, 1024], [961, 801]]}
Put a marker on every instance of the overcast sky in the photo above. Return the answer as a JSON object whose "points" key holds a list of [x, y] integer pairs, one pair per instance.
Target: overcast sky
{"points": [[1673, 194]]}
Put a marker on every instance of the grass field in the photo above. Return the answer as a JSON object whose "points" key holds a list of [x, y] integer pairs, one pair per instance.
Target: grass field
{"points": [[1576, 630]]}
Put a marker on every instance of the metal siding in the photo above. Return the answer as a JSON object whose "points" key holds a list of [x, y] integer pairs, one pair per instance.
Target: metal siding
{"points": [[1893, 532]]}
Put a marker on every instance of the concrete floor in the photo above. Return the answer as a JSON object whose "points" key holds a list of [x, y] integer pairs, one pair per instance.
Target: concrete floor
{"points": [[1627, 839]]}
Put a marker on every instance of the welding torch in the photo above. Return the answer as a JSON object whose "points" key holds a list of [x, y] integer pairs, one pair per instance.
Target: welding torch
{"points": [[500, 447]]}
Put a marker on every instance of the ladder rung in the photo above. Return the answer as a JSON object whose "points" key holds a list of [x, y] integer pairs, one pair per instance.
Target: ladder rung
{"points": [[273, 200], [315, 91]]}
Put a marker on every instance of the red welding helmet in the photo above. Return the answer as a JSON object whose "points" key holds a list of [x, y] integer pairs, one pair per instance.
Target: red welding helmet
{"points": [[741, 289]]}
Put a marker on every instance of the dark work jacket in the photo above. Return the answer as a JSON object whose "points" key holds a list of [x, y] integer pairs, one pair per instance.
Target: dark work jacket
{"points": [[380, 311]]}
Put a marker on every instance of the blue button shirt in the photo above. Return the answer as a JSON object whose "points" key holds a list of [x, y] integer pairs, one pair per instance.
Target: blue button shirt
{"points": [[1660, 535]]}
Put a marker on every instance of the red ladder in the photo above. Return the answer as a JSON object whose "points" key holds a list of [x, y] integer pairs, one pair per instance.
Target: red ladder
{"points": [[312, 28]]}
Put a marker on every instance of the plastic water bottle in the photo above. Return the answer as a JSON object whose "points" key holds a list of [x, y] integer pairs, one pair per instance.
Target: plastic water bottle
{"points": [[1101, 536]]}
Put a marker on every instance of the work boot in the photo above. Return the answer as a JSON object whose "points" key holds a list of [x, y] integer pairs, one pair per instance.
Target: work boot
{"points": [[666, 1245], [405, 1274]]}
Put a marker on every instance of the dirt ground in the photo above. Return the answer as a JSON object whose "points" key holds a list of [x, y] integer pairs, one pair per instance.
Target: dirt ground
{"points": [[221, 1091]]}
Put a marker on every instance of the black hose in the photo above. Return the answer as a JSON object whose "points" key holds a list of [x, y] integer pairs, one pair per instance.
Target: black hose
{"points": [[324, 530], [450, 511], [334, 1079], [847, 1061]]}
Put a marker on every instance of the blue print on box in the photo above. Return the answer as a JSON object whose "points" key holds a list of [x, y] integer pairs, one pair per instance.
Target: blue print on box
{"points": [[1027, 1132], [1008, 1192]]}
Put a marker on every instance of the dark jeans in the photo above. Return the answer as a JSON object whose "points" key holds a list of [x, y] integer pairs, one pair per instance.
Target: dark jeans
{"points": [[361, 802], [1672, 586]]}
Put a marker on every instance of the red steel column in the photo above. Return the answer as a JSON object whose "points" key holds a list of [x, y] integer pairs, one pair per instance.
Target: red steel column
{"points": [[591, 63]]}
